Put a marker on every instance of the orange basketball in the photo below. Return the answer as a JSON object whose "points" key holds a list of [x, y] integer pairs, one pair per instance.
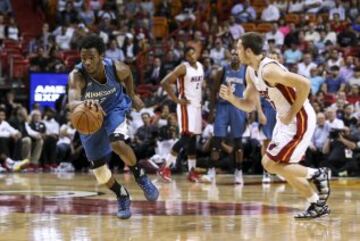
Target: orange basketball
{"points": [[86, 121]]}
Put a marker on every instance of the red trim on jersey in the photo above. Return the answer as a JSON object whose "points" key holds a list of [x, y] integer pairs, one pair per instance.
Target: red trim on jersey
{"points": [[184, 120], [301, 127]]}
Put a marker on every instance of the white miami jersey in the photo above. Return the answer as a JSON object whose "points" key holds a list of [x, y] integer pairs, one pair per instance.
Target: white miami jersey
{"points": [[280, 96], [190, 85]]}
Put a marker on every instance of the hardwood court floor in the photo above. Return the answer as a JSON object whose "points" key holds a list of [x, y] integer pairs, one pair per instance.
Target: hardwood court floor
{"points": [[50, 207]]}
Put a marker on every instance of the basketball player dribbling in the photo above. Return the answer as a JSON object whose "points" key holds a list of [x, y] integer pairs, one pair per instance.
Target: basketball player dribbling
{"points": [[189, 77], [295, 125], [98, 82]]}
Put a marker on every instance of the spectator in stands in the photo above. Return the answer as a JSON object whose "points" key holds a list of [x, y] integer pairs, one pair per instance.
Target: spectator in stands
{"points": [[188, 11], [144, 141], [86, 15], [78, 4], [39, 62], [63, 39], [292, 37], [347, 37], [312, 34], [315, 153], [156, 73], [12, 31], [55, 63], [335, 59], [8, 136], [2, 27], [107, 12], [5, 6], [235, 28], [355, 80], [276, 35], [348, 117], [36, 132], [148, 6], [354, 95], [347, 70], [113, 52], [271, 13], [218, 54], [243, 12], [316, 80], [64, 146], [332, 121], [296, 6], [339, 148], [164, 9], [338, 9], [331, 34], [292, 55], [69, 15], [95, 5], [353, 11], [312, 6], [130, 48], [9, 102], [51, 137], [306, 65], [282, 5], [333, 81]]}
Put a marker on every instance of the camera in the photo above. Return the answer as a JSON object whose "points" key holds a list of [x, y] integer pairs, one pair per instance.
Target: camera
{"points": [[334, 133]]}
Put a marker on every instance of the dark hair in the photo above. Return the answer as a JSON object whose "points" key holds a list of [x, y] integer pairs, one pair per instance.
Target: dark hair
{"points": [[93, 41], [2, 110], [253, 41], [334, 68], [188, 48]]}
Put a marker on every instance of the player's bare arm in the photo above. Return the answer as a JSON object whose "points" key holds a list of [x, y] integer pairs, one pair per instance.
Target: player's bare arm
{"points": [[250, 98], [124, 74], [214, 90], [76, 84], [276, 75], [170, 79]]}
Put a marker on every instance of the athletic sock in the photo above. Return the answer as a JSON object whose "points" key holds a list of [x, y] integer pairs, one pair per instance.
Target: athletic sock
{"points": [[170, 159], [191, 164], [137, 171], [119, 190]]}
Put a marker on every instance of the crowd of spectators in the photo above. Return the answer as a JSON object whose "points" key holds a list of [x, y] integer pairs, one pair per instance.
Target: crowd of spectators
{"points": [[318, 39]]}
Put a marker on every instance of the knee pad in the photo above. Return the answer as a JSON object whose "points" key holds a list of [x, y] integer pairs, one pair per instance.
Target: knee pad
{"points": [[102, 174]]}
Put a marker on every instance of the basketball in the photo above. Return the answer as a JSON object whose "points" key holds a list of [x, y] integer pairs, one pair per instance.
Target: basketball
{"points": [[86, 121]]}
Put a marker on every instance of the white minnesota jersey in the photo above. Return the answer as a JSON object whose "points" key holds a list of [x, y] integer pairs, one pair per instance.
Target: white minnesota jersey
{"points": [[280, 96], [190, 85]]}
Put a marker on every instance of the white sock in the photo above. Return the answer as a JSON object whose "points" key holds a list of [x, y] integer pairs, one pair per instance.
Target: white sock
{"points": [[191, 164], [211, 171], [310, 172], [170, 159], [9, 161], [314, 198]]}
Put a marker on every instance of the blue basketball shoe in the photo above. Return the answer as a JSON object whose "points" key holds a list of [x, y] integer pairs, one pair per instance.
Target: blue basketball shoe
{"points": [[150, 191], [124, 211]]}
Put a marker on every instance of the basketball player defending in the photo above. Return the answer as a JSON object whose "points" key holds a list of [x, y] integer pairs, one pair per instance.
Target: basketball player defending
{"points": [[98, 82], [228, 116], [295, 125], [189, 77]]}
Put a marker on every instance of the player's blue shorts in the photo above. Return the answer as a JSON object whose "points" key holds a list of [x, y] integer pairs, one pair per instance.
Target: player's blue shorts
{"points": [[271, 121], [228, 115], [97, 145]]}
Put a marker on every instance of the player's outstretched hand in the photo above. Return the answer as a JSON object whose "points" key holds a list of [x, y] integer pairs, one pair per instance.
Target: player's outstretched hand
{"points": [[226, 92], [138, 104], [94, 104]]}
